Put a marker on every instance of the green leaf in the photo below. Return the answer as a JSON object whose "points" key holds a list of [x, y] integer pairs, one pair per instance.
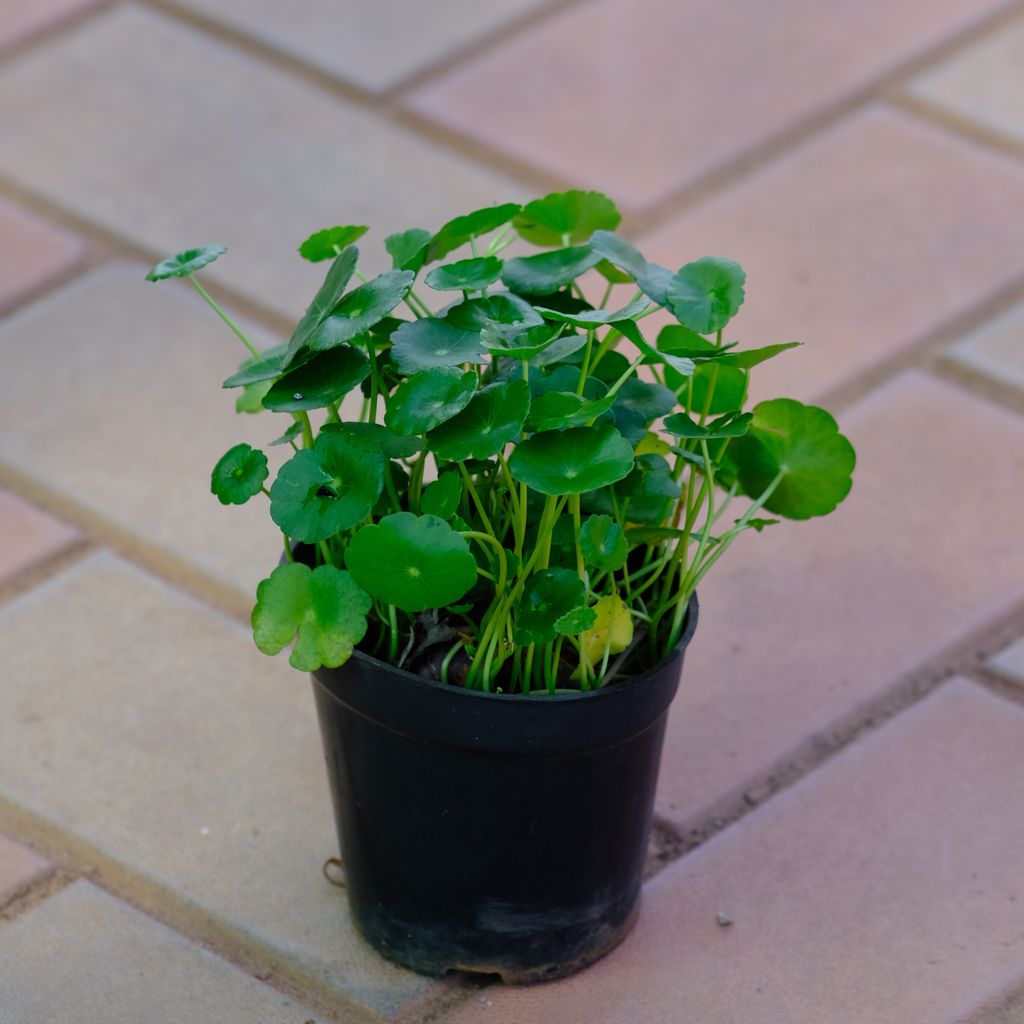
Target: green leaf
{"points": [[494, 416], [324, 607], [548, 271], [359, 310], [561, 348], [548, 596], [326, 244], [376, 438], [556, 409], [596, 317], [645, 496], [412, 562], [325, 379], [572, 461], [803, 444], [651, 278], [293, 431], [329, 295], [330, 487], [460, 230], [574, 215], [408, 249], [680, 364], [442, 497], [579, 620], [254, 371], [251, 399], [492, 311], [428, 398], [465, 275], [648, 401], [706, 295], [188, 262], [732, 424], [603, 543], [524, 343], [430, 342], [747, 358], [239, 474]]}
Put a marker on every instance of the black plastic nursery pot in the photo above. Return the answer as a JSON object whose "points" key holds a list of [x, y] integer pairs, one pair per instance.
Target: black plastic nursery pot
{"points": [[490, 832]]}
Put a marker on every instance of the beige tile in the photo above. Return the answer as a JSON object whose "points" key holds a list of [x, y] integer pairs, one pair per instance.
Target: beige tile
{"points": [[172, 139], [373, 45], [83, 957], [111, 395], [887, 886], [151, 727], [858, 243], [805, 622], [19, 868], [996, 349], [20, 18], [1010, 662], [983, 82], [31, 252], [26, 535], [639, 99]]}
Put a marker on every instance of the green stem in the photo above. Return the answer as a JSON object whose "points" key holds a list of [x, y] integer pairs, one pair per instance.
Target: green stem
{"points": [[220, 312]]}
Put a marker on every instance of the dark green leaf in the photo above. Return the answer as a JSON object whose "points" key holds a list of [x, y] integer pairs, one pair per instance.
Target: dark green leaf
{"points": [[359, 310], [572, 461], [330, 294], [524, 343], [330, 487], [428, 398], [648, 401], [253, 370], [430, 342], [747, 358], [239, 474], [408, 249], [556, 409], [560, 349], [494, 310], [465, 275], [323, 606], [645, 496], [325, 379], [803, 444], [188, 262], [566, 217], [412, 562], [548, 271], [651, 278], [603, 543], [442, 497], [597, 317], [459, 231], [705, 295], [376, 438], [681, 365], [548, 596], [326, 244], [494, 416], [733, 424]]}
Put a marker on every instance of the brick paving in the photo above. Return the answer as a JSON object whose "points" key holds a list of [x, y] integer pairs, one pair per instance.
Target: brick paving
{"points": [[852, 806]]}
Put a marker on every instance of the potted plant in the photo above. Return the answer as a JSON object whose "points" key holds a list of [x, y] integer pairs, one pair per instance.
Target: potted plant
{"points": [[502, 495]]}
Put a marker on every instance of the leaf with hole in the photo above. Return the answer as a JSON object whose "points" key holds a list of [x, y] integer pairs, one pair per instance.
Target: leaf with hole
{"points": [[706, 294], [182, 264], [428, 398], [566, 217], [557, 462], [323, 609], [239, 474], [412, 562], [328, 243], [325, 379], [465, 275], [493, 418], [547, 271]]}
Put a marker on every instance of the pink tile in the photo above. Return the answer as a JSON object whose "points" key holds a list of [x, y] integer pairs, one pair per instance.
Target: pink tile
{"points": [[20, 18], [19, 867], [639, 99], [27, 534], [887, 886], [858, 243], [31, 252], [808, 620]]}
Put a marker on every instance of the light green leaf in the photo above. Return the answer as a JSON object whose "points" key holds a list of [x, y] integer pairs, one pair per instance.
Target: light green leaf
{"points": [[428, 398], [747, 358], [188, 262], [579, 620], [251, 399], [239, 474], [465, 275], [412, 562], [705, 295], [408, 249], [324, 607], [460, 230], [603, 543], [803, 444], [430, 342], [557, 462], [325, 379], [294, 431], [326, 244], [548, 596], [548, 271], [494, 416], [442, 497], [563, 217]]}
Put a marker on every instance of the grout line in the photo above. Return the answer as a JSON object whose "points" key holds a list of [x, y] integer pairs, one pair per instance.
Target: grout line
{"points": [[46, 568], [76, 857], [977, 382], [41, 888]]}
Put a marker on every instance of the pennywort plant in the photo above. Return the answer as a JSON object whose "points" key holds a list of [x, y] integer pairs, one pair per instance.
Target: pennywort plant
{"points": [[499, 476]]}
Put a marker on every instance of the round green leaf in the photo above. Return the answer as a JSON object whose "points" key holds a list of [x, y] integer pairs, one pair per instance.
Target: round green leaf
{"points": [[492, 311], [430, 342], [188, 262], [412, 562], [603, 543], [707, 294], [555, 409], [324, 607], [548, 271], [558, 462], [330, 487], [494, 416], [549, 595], [577, 621], [460, 230], [360, 309], [326, 244], [239, 475], [326, 378], [442, 497], [524, 343], [428, 398], [408, 249], [575, 214], [803, 443], [465, 275], [648, 401]]}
